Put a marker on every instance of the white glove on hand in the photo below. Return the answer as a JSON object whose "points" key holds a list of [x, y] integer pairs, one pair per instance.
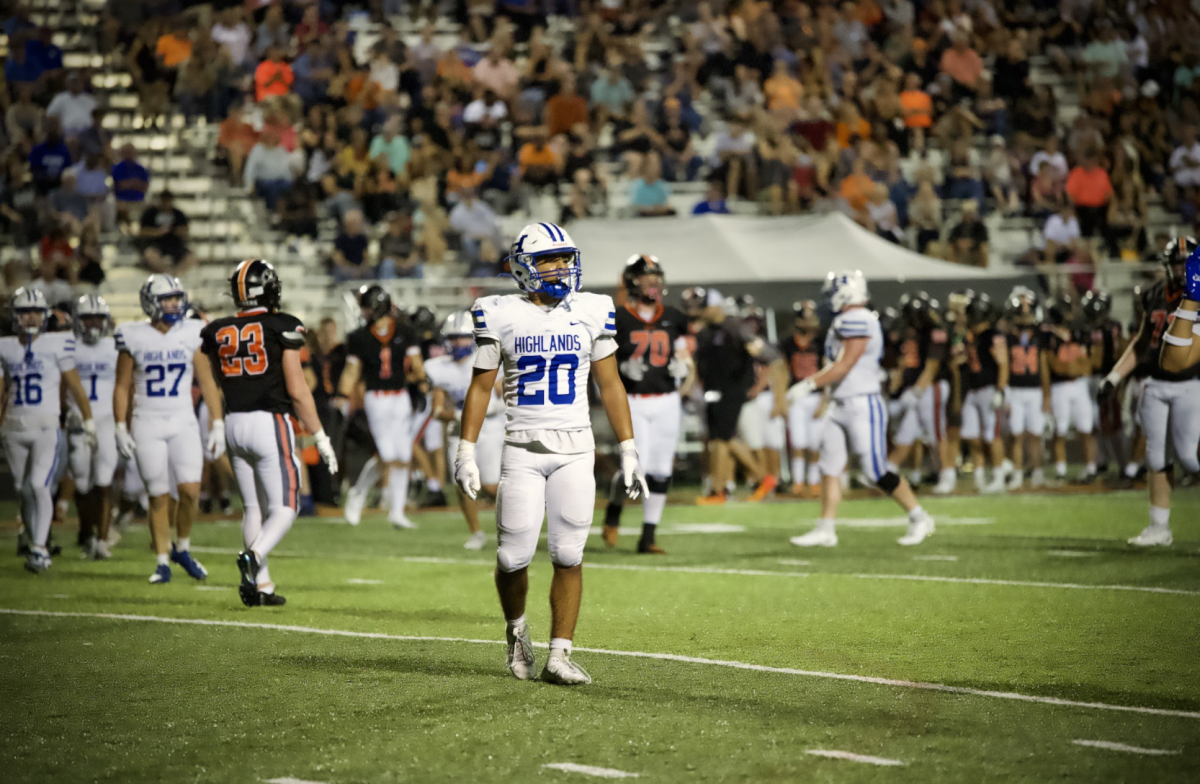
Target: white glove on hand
{"points": [[678, 368], [74, 421], [998, 400], [325, 450], [633, 369], [800, 390], [466, 473], [125, 444], [89, 433], [911, 398], [216, 439], [631, 469]]}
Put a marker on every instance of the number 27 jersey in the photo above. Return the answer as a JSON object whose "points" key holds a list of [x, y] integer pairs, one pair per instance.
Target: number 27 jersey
{"points": [[547, 355], [162, 365]]}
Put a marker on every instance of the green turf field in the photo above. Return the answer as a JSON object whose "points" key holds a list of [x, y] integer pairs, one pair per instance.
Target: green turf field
{"points": [[1042, 599]]}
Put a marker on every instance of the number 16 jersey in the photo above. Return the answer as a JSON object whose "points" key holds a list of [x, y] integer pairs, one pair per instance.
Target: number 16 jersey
{"points": [[547, 356], [162, 365], [246, 352]]}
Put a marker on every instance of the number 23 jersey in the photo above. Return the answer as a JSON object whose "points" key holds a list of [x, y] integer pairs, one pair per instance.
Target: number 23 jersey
{"points": [[162, 365], [547, 356], [246, 352]]}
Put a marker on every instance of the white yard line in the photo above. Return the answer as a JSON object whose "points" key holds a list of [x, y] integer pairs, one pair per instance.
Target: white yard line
{"points": [[1105, 744], [696, 570], [591, 770], [902, 522], [213, 587], [1024, 583], [290, 780], [793, 562], [935, 557], [845, 755], [938, 687], [1072, 553], [361, 581]]}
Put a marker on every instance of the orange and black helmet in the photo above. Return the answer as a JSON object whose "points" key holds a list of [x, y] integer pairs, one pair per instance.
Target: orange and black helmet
{"points": [[255, 284]]}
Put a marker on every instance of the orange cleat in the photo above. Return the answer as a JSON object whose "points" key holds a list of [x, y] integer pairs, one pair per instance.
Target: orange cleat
{"points": [[798, 490], [651, 549], [713, 499], [610, 535], [768, 484]]}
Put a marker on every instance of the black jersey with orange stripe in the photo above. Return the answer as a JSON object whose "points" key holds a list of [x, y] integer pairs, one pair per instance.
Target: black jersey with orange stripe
{"points": [[246, 351]]}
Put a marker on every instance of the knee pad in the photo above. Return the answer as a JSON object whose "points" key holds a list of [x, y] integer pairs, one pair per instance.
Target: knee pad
{"points": [[888, 482], [658, 484], [510, 559], [567, 554]]}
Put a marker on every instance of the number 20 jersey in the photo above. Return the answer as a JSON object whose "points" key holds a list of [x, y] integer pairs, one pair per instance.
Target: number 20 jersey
{"points": [[653, 342], [162, 365], [246, 352], [547, 355]]}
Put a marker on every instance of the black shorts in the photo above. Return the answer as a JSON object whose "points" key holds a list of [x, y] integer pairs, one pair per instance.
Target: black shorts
{"points": [[722, 415]]}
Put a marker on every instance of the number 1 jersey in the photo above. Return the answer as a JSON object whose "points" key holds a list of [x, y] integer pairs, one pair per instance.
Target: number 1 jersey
{"points": [[162, 365], [97, 366], [246, 352], [547, 357]]}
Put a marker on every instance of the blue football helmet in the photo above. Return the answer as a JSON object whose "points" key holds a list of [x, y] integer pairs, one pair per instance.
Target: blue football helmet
{"points": [[545, 239], [158, 287]]}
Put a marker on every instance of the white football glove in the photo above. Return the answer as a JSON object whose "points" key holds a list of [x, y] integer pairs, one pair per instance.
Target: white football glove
{"points": [[466, 473], [325, 449], [125, 444], [998, 400], [89, 433], [678, 368], [633, 369], [216, 439], [74, 421], [631, 469], [911, 398], [800, 390]]}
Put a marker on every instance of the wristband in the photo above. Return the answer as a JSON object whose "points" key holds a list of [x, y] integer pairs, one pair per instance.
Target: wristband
{"points": [[627, 446], [466, 450], [1187, 315], [320, 434], [1174, 341], [1113, 378]]}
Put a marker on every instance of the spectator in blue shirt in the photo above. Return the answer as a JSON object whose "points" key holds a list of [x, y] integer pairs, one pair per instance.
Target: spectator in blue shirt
{"points": [[45, 53], [18, 21], [649, 193], [131, 180], [20, 68], [611, 95], [714, 201], [49, 159]]}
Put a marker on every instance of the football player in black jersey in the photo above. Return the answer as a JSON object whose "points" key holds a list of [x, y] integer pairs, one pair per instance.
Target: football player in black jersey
{"points": [[802, 352], [1067, 347], [1171, 401], [656, 369], [1028, 385], [255, 356], [384, 354], [985, 382], [1107, 343]]}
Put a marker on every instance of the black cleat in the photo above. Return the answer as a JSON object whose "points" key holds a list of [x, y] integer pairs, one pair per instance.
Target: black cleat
{"points": [[206, 506], [247, 563], [226, 507], [434, 499], [270, 600]]}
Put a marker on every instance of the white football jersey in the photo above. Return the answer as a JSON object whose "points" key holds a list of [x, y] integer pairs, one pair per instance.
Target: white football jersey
{"points": [[162, 365], [34, 376], [863, 378], [97, 366], [454, 378], [547, 354]]}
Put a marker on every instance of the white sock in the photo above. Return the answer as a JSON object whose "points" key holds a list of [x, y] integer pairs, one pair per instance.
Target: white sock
{"points": [[560, 645], [824, 524], [814, 473], [434, 486], [1060, 469], [1160, 517], [368, 477], [1131, 470], [273, 530], [917, 514], [264, 577], [798, 470], [652, 507], [184, 544], [515, 624], [398, 488], [164, 559], [1091, 468]]}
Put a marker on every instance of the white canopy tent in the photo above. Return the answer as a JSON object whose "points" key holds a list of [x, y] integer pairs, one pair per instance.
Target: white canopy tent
{"points": [[734, 249]]}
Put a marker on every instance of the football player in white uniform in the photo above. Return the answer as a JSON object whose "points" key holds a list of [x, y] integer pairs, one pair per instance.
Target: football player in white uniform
{"points": [[35, 365], [92, 468], [154, 367], [1180, 349], [857, 414], [450, 376], [551, 339]]}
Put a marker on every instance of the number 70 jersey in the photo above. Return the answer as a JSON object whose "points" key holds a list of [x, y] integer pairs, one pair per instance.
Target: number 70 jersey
{"points": [[547, 355], [162, 365]]}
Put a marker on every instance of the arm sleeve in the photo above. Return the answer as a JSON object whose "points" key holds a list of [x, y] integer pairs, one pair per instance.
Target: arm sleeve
{"points": [[119, 340], [604, 343], [481, 317], [291, 334], [66, 357], [487, 357]]}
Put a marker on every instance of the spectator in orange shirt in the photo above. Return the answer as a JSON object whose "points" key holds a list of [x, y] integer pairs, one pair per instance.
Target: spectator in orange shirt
{"points": [[964, 66], [237, 138], [917, 107], [273, 76], [566, 109], [1089, 189], [539, 166], [783, 91], [176, 46], [857, 187], [851, 127]]}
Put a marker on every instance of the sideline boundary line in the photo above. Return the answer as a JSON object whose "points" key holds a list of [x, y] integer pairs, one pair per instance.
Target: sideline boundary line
{"points": [[672, 657]]}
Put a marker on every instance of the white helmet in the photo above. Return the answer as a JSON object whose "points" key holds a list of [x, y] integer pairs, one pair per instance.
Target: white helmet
{"points": [[158, 287], [91, 306], [845, 289], [459, 325], [24, 300], [544, 239]]}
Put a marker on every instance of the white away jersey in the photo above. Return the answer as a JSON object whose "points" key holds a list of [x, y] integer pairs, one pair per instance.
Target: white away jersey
{"points": [[863, 378], [34, 377], [162, 365], [97, 366], [454, 378], [547, 353]]}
